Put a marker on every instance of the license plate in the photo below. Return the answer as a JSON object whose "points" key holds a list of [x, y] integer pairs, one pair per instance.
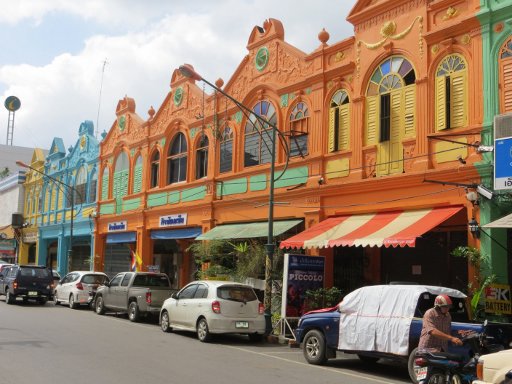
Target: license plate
{"points": [[421, 373], [32, 293], [242, 324]]}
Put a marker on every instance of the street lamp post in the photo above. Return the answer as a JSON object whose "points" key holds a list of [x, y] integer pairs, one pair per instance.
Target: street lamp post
{"points": [[71, 190], [187, 71]]}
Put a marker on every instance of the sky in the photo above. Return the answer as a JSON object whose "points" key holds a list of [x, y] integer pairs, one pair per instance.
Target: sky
{"points": [[69, 61]]}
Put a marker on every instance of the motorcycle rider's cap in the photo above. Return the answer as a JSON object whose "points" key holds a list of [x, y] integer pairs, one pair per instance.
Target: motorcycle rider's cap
{"points": [[442, 301]]}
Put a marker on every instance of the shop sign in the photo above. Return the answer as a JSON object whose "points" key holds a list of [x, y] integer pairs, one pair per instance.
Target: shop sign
{"points": [[173, 220], [117, 226], [497, 299], [154, 268], [7, 245], [30, 237], [301, 273]]}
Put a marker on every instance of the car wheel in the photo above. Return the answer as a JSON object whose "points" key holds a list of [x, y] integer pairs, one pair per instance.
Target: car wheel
{"points": [[164, 322], [412, 367], [314, 348], [203, 333], [368, 359], [133, 312], [255, 337], [72, 303], [99, 307], [9, 299]]}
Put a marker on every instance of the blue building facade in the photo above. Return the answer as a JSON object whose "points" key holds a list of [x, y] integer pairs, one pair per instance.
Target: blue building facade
{"points": [[66, 232]]}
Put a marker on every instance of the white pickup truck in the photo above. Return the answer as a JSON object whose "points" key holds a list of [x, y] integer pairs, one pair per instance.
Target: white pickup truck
{"points": [[136, 293]]}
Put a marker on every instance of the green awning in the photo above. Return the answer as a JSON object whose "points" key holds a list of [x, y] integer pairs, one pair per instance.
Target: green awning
{"points": [[247, 230]]}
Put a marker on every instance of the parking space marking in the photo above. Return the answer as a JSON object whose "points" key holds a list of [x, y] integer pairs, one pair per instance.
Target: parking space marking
{"points": [[333, 370]]}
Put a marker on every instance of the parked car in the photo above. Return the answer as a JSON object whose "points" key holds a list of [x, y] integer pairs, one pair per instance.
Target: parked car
{"points": [[384, 321], [56, 277], [78, 288], [495, 368], [137, 293], [213, 307], [4, 264], [30, 282]]}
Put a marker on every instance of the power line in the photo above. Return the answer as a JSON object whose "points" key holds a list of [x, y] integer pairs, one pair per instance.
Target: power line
{"points": [[105, 62]]}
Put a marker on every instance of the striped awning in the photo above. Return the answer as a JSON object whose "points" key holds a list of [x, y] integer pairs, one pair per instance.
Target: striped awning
{"points": [[388, 229]]}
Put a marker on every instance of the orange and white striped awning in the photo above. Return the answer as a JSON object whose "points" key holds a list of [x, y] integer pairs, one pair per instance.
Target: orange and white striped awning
{"points": [[388, 229]]}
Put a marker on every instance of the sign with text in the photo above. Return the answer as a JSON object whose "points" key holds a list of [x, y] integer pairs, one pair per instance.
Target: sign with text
{"points": [[503, 164], [173, 220], [117, 226], [497, 299], [301, 273]]}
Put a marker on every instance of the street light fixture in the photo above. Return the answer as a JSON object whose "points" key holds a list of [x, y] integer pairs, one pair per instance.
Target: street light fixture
{"points": [[188, 71], [72, 191]]}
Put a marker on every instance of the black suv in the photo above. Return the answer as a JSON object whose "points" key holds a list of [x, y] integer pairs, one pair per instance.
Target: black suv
{"points": [[30, 282]]}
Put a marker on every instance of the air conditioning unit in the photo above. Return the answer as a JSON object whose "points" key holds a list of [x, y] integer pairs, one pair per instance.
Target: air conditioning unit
{"points": [[502, 126], [17, 220]]}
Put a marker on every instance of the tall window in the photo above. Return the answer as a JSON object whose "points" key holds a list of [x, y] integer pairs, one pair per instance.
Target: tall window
{"points": [[390, 109], [28, 208], [299, 121], [202, 157], [258, 134], [121, 171], [81, 186], [93, 186], [105, 181], [177, 160], [226, 150], [339, 123], [137, 175], [505, 76], [155, 169], [451, 93]]}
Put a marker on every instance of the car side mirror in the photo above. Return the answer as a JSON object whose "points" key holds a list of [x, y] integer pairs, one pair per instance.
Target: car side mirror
{"points": [[106, 283], [174, 295]]}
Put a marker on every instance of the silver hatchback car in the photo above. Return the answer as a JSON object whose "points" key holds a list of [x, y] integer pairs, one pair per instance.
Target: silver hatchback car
{"points": [[78, 288], [214, 307]]}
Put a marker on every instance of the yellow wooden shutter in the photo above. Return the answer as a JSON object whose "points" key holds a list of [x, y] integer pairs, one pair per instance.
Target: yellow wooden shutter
{"points": [[332, 115], [440, 103], [458, 99], [395, 135], [372, 118], [344, 133], [506, 86], [410, 109]]}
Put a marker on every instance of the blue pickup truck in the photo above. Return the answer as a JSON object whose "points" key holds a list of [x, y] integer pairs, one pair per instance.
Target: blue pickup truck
{"points": [[384, 321]]}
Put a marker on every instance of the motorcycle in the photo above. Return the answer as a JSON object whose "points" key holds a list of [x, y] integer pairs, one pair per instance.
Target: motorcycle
{"points": [[453, 368]]}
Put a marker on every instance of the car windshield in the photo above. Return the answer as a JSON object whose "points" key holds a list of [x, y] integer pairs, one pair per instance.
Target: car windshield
{"points": [[35, 272], [94, 279], [151, 281], [236, 293]]}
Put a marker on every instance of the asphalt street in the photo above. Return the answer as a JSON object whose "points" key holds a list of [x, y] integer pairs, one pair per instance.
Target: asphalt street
{"points": [[54, 344]]}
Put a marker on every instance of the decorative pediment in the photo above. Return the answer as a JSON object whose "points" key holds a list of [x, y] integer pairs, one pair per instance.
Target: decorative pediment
{"points": [[57, 149], [272, 29]]}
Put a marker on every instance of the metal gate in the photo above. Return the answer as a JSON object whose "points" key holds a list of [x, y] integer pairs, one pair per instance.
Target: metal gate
{"points": [[117, 258]]}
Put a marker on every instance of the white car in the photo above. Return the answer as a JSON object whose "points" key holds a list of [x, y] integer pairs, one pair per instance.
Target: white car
{"points": [[495, 368], [213, 307], [78, 288]]}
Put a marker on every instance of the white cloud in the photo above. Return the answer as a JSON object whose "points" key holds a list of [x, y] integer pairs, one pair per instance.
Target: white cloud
{"points": [[57, 97]]}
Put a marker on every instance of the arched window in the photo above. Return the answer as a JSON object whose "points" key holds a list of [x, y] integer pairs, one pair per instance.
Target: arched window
{"points": [[299, 129], [155, 169], [121, 174], [137, 175], [39, 201], [202, 157], [93, 186], [258, 134], [390, 109], [177, 160], [28, 208], [505, 76], [81, 186], [105, 180], [451, 93], [339, 121], [226, 150]]}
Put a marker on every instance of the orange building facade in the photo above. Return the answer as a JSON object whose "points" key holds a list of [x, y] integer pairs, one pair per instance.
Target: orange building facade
{"points": [[384, 122]]}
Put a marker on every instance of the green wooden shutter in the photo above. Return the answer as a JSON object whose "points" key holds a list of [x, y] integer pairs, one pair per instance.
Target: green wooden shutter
{"points": [[332, 120], [344, 134], [440, 103], [137, 179], [372, 117], [410, 108], [104, 186], [458, 102]]}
